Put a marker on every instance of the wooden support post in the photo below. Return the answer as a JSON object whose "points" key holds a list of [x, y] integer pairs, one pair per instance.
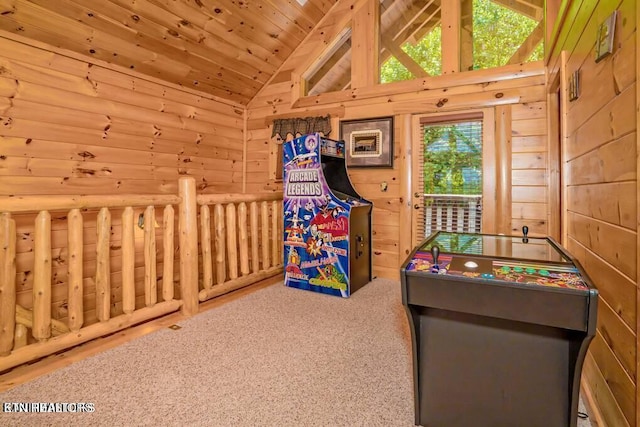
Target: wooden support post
{"points": [[450, 37], [7, 283], [466, 35], [232, 244], [406, 183], [75, 277], [221, 269], [365, 42], [188, 230], [167, 272], [103, 266], [555, 169], [205, 247], [264, 217], [128, 261], [243, 237], [276, 219], [255, 261], [42, 277], [150, 273], [503, 170]]}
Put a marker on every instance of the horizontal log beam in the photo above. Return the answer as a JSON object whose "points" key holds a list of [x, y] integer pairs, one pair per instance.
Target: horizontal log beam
{"points": [[508, 72], [52, 203], [212, 199], [238, 283], [62, 342]]}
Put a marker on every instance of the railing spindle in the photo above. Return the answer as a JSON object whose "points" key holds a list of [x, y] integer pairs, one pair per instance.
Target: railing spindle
{"points": [[255, 261], [150, 274], [7, 283], [221, 271], [232, 245], [167, 273], [42, 278], [20, 336], [128, 261], [103, 279], [460, 227], [75, 243], [264, 216], [472, 217], [244, 238], [205, 246]]}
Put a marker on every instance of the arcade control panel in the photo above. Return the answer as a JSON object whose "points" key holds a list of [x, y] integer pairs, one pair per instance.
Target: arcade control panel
{"points": [[530, 272]]}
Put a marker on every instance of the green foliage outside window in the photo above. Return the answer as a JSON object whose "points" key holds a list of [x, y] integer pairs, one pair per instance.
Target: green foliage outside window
{"points": [[497, 33], [452, 159]]}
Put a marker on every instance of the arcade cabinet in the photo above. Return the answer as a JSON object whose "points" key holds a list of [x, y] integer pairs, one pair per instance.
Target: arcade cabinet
{"points": [[327, 225], [500, 328]]}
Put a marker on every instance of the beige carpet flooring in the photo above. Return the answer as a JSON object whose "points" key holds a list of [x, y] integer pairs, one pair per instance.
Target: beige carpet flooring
{"points": [[277, 357]]}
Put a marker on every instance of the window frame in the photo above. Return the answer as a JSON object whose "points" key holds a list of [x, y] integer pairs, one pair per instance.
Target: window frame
{"points": [[490, 168]]}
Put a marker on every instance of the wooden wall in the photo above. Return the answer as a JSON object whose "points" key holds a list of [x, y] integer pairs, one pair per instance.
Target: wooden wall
{"points": [[599, 147], [73, 127], [69, 126], [517, 93]]}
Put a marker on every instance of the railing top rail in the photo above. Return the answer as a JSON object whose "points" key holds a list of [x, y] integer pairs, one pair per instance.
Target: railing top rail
{"points": [[25, 204], [211, 199], [454, 196]]}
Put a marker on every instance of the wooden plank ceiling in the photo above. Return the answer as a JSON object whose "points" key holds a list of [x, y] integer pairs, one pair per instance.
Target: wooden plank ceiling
{"points": [[227, 48]]}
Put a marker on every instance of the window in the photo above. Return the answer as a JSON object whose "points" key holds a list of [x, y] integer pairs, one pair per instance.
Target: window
{"points": [[489, 33], [452, 176], [453, 172]]}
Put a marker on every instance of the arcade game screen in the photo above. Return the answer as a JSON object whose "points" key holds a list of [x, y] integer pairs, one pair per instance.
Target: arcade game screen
{"points": [[534, 261]]}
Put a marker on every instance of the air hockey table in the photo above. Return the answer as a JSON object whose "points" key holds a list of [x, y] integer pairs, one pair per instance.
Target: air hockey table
{"points": [[500, 327]]}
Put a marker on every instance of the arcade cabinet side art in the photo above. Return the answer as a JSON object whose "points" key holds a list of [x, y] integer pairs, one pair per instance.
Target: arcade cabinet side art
{"points": [[316, 223]]}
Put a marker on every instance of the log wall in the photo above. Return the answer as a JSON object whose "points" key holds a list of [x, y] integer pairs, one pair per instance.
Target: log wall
{"points": [[599, 147], [516, 94], [69, 126], [76, 127]]}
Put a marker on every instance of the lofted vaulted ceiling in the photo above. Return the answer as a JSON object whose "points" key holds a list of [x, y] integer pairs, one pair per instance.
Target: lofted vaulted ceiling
{"points": [[227, 48]]}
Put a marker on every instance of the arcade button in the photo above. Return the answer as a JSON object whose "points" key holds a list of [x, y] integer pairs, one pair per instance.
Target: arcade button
{"points": [[487, 276], [543, 272], [518, 269], [530, 270]]}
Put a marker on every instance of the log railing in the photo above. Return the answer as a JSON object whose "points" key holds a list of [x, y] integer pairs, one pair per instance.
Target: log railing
{"points": [[241, 243], [236, 250], [452, 212]]}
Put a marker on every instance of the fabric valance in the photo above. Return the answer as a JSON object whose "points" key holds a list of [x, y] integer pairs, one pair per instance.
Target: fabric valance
{"points": [[301, 126]]}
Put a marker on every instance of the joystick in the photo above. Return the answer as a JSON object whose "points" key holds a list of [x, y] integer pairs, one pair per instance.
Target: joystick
{"points": [[525, 232], [435, 251]]}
